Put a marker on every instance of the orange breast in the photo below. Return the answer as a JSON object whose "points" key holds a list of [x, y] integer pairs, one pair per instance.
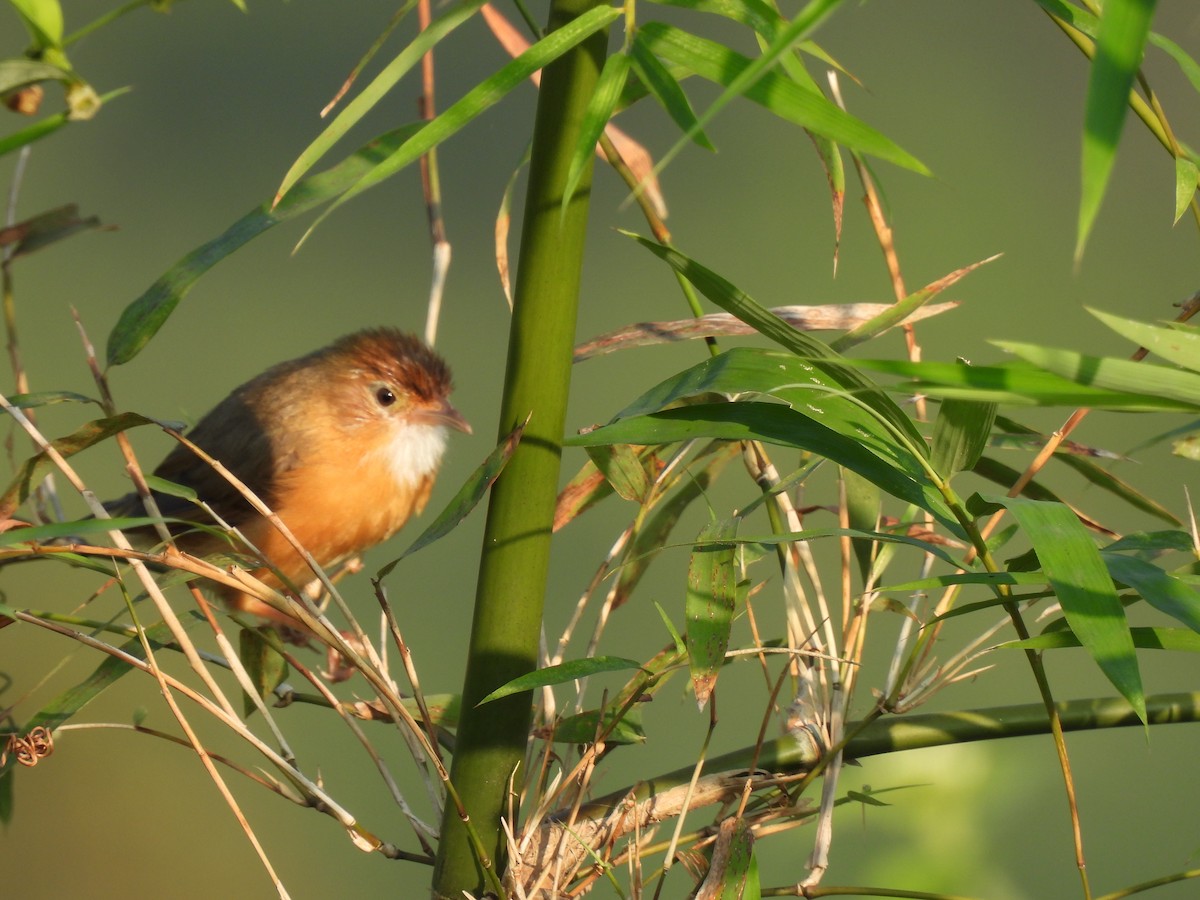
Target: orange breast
{"points": [[335, 512]]}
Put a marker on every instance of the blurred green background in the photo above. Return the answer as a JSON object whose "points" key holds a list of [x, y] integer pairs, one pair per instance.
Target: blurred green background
{"points": [[988, 94]]}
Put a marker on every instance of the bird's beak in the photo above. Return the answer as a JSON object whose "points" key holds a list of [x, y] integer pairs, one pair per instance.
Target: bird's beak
{"points": [[446, 415]]}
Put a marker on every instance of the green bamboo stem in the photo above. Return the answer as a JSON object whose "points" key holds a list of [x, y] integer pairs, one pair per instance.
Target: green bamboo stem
{"points": [[491, 740], [893, 734]]}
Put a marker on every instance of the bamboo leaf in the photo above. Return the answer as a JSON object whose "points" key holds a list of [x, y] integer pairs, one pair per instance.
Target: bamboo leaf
{"points": [[898, 312], [1151, 543], [650, 539], [45, 229], [863, 507], [373, 93], [881, 537], [960, 435], [71, 701], [15, 73], [733, 868], [35, 467], [1124, 26], [1103, 478], [806, 387], [34, 399], [142, 319], [595, 118], [1186, 175], [1161, 590], [990, 579], [1143, 638], [478, 100], [811, 350], [1180, 346], [777, 93], [755, 14], [623, 469], [43, 18], [55, 530], [772, 423], [710, 603], [583, 728], [1186, 63], [560, 674], [1015, 383], [666, 90], [1108, 373], [263, 663], [1076, 571]]}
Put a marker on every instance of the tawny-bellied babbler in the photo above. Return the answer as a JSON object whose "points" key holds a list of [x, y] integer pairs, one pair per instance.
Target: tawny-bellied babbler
{"points": [[342, 444]]}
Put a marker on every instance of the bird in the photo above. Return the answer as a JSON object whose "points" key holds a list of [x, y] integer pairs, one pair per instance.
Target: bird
{"points": [[343, 444]]}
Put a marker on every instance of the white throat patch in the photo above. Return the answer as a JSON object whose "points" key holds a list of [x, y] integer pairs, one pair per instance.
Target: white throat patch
{"points": [[414, 452]]}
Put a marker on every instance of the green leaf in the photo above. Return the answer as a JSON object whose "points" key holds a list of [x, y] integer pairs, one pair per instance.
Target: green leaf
{"points": [[34, 399], [738, 879], [55, 530], [1186, 64], [74, 699], [991, 579], [1124, 26], [568, 671], [778, 93], [1161, 590], [599, 110], [898, 312], [583, 727], [811, 388], [1181, 347], [1151, 543], [652, 535], [16, 73], [444, 709], [882, 537], [1076, 571], [623, 469], [47, 126], [49, 228], [772, 423], [44, 19], [1108, 373], [864, 503], [1143, 638], [263, 663], [1098, 475], [666, 90], [1014, 383], [373, 93], [1006, 477], [7, 801], [479, 99], [35, 467], [1074, 16], [754, 14], [711, 600], [170, 488], [838, 368], [960, 435], [142, 319], [865, 799], [1186, 175]]}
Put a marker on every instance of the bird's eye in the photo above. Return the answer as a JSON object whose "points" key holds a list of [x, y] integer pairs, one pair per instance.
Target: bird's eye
{"points": [[385, 396]]}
